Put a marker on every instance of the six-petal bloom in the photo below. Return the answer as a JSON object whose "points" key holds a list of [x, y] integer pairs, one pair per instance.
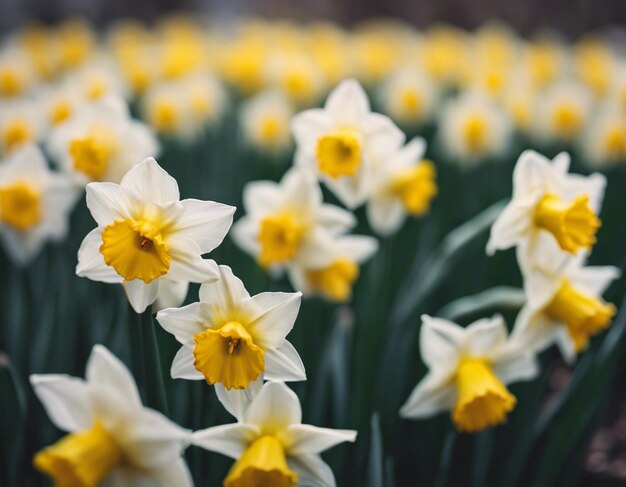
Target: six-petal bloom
{"points": [[147, 237], [113, 440]]}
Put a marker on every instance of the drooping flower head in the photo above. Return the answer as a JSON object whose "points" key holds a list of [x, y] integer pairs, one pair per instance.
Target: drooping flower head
{"points": [[564, 300], [35, 204], [146, 235], [269, 443], [546, 199], [338, 141], [469, 370], [112, 438], [231, 338]]}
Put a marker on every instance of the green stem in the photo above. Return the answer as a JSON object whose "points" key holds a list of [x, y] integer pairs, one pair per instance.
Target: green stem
{"points": [[446, 460]]}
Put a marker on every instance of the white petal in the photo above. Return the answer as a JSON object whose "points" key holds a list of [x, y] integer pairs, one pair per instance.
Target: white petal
{"points": [[105, 370], [434, 393], [348, 103], [228, 439], [305, 439], [188, 265], [516, 368], [226, 293], [236, 401], [284, 363], [312, 471], [174, 474], [151, 183], [171, 295], [308, 125], [204, 222], [91, 262], [335, 220], [511, 225], [595, 280], [65, 400], [275, 405], [566, 345], [141, 295], [184, 322], [486, 336], [107, 203], [532, 170], [439, 342], [385, 214], [382, 136], [182, 365], [358, 247], [127, 476], [277, 313]]}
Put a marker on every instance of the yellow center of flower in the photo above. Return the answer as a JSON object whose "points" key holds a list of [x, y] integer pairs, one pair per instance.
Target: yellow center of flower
{"points": [[583, 315], [16, 133], [279, 237], [574, 225], [80, 459], [20, 206], [263, 464], [60, 112], [411, 103], [483, 401], [10, 83], [298, 85], [96, 89], [339, 154], [416, 187], [615, 141], [228, 355], [90, 157], [165, 117], [200, 104], [136, 249], [334, 281], [271, 129], [475, 132], [567, 120]]}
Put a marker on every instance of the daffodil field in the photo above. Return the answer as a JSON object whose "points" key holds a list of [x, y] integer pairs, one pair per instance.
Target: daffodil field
{"points": [[278, 254]]}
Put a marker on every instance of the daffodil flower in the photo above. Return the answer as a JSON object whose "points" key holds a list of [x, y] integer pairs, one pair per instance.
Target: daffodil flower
{"points": [[265, 121], [269, 443], [21, 123], [146, 235], [112, 439], [285, 221], [333, 268], [231, 338], [403, 184], [101, 142], [409, 96], [564, 300], [546, 199], [35, 204], [469, 370], [338, 141]]}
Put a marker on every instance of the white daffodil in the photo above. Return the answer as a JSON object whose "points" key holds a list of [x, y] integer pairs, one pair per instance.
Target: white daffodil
{"points": [[296, 75], [473, 127], [206, 98], [469, 370], [97, 79], [35, 204], [604, 140], [270, 444], [113, 440], [146, 235], [59, 104], [231, 338], [409, 96], [403, 184], [21, 123], [564, 303], [546, 199], [265, 121], [333, 268], [166, 108], [101, 142], [285, 221], [339, 140], [17, 75], [562, 112]]}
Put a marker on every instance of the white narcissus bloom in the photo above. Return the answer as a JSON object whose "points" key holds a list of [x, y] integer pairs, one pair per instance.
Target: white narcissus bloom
{"points": [[35, 204], [101, 142], [231, 338], [113, 440], [339, 140], [332, 269], [98, 79], [21, 123], [604, 140], [285, 221], [270, 444], [469, 370], [564, 301], [59, 104], [548, 199], [265, 121], [166, 108], [206, 98], [147, 236], [404, 183], [17, 74], [473, 127]]}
